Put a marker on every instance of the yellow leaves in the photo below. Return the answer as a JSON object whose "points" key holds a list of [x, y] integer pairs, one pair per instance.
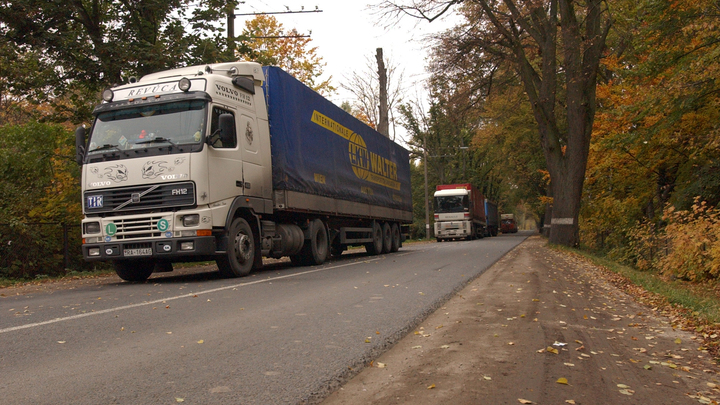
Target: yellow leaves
{"points": [[552, 350], [562, 380], [431, 386]]}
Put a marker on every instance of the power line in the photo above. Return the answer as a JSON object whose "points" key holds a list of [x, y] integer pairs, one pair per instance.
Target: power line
{"points": [[278, 12]]}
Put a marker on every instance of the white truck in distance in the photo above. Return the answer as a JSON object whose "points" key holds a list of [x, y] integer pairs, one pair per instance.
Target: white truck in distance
{"points": [[462, 212], [231, 162]]}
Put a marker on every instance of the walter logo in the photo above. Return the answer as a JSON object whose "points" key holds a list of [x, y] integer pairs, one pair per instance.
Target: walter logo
{"points": [[359, 156], [366, 164]]}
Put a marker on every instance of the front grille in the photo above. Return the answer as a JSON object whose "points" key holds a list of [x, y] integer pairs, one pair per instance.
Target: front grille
{"points": [[137, 228], [137, 198]]}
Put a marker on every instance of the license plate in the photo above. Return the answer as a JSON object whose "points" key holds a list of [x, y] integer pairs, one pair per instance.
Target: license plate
{"points": [[137, 252]]}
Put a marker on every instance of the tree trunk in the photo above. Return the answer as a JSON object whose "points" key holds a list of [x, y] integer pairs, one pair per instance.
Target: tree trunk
{"points": [[383, 121]]}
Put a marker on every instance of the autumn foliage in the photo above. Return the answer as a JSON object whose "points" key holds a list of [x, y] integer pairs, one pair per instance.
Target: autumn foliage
{"points": [[653, 178]]}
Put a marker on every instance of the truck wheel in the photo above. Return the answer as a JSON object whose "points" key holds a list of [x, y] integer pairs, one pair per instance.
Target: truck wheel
{"points": [[375, 247], [317, 246], [395, 231], [238, 260], [386, 238], [134, 270]]}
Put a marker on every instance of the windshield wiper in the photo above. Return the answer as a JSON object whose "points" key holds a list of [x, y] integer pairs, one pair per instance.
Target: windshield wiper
{"points": [[158, 139], [106, 146]]}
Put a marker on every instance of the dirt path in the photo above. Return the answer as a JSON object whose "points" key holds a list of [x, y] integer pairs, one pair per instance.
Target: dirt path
{"points": [[539, 327]]}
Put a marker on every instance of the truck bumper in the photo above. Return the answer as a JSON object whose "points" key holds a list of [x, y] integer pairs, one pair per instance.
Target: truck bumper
{"points": [[167, 249], [453, 229]]}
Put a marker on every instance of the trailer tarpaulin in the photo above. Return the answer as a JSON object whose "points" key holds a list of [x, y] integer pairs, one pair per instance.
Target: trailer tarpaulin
{"points": [[317, 148]]}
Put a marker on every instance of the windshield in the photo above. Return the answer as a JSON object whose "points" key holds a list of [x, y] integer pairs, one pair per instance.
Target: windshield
{"points": [[179, 123], [451, 204]]}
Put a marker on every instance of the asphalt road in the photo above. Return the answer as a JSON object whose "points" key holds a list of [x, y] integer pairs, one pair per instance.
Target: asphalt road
{"points": [[284, 335]]}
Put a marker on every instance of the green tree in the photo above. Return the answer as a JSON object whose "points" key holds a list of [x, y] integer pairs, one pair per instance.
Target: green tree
{"points": [[72, 48], [40, 185]]}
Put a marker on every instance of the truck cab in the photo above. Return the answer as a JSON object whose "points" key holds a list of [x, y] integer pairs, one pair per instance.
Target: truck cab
{"points": [[165, 160]]}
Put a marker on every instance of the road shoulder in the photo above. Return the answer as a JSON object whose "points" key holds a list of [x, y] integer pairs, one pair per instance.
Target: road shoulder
{"points": [[541, 327]]}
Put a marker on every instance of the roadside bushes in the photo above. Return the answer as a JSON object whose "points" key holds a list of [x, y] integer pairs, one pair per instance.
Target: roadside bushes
{"points": [[685, 245], [40, 204], [693, 237]]}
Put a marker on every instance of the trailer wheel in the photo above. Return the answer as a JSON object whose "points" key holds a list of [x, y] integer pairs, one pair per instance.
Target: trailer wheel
{"points": [[395, 230], [386, 238], [316, 249], [134, 270], [240, 255], [375, 247]]}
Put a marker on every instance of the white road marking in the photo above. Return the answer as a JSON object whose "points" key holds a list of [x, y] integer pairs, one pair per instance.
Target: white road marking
{"points": [[189, 295]]}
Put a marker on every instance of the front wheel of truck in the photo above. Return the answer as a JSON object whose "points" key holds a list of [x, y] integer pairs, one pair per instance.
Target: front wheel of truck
{"points": [[240, 255], [134, 270]]}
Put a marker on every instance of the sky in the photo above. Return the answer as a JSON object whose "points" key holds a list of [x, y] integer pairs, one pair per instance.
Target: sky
{"points": [[346, 36]]}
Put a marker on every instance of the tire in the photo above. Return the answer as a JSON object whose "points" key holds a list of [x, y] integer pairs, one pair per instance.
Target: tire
{"points": [[395, 231], [375, 247], [240, 255], [316, 249], [134, 270], [386, 238]]}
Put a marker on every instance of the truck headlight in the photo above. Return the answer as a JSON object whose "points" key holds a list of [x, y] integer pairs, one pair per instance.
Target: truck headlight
{"points": [[91, 227], [191, 220], [184, 84]]}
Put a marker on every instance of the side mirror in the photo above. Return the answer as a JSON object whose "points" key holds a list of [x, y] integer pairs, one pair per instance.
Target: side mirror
{"points": [[80, 145], [226, 124]]}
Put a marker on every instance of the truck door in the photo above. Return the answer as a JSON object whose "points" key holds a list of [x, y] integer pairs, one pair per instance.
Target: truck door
{"points": [[225, 166], [251, 143]]}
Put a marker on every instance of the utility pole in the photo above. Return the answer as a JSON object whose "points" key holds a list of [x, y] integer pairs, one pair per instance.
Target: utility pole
{"points": [[427, 202], [231, 14], [383, 121]]}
